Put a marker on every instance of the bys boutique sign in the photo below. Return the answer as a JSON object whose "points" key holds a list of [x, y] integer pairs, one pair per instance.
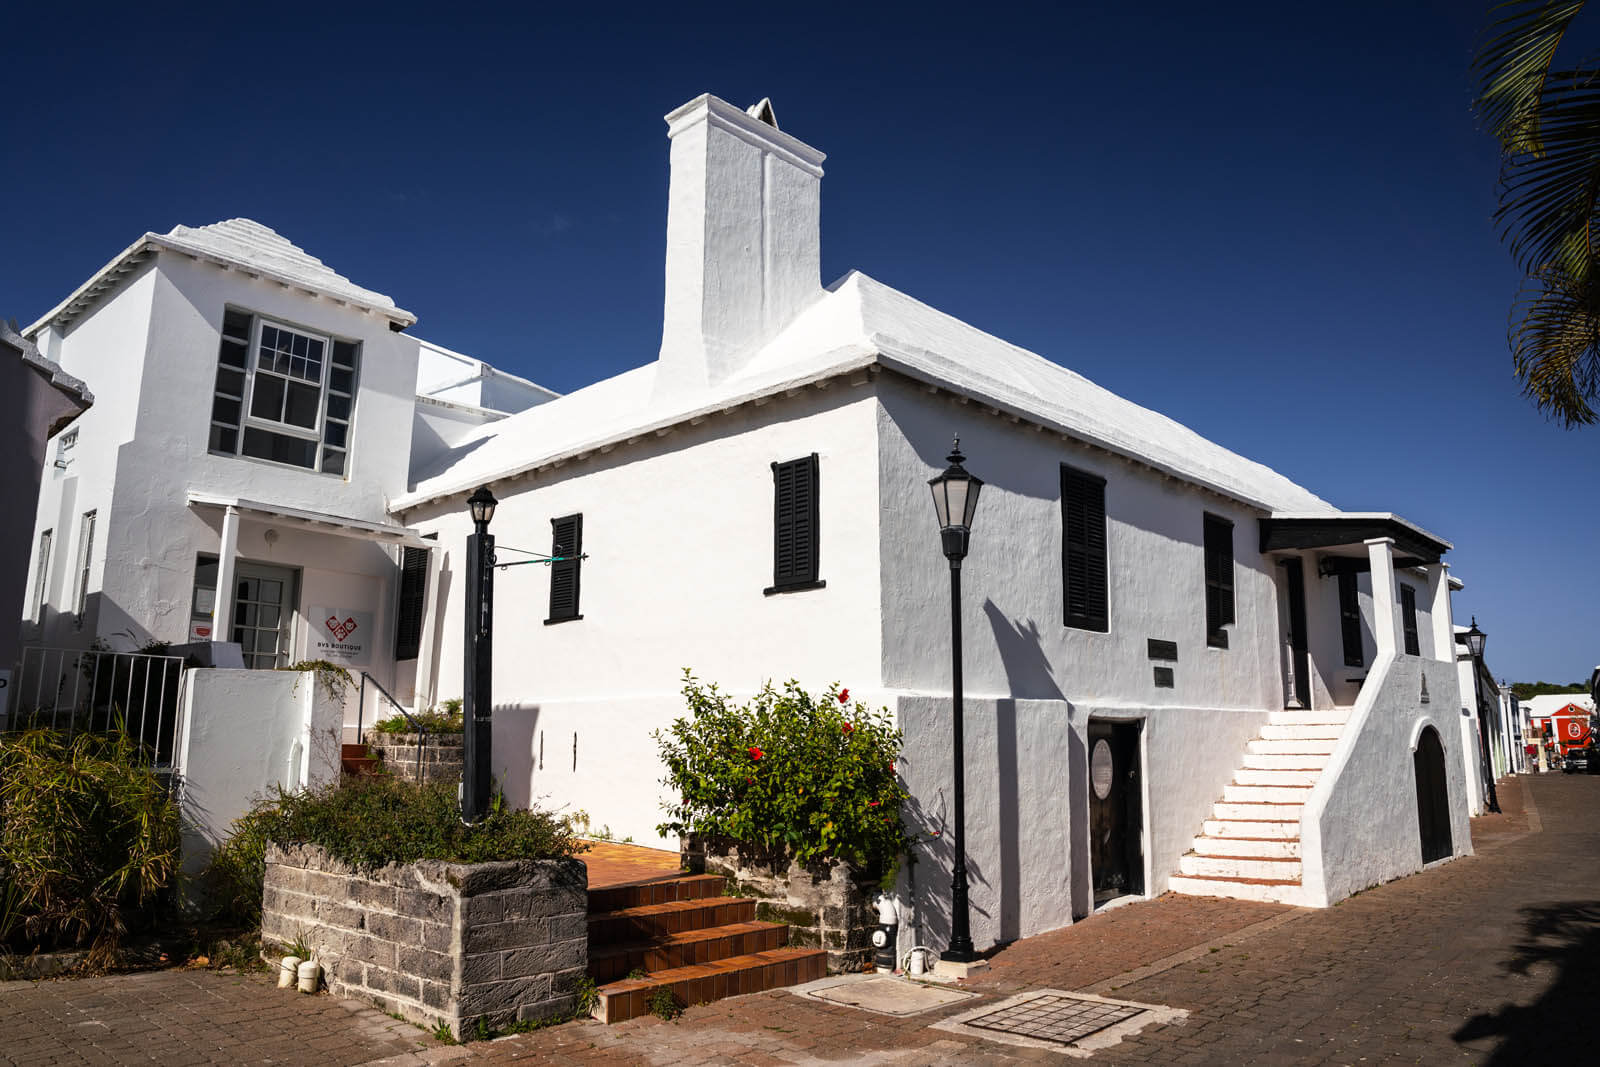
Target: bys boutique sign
{"points": [[340, 635]]}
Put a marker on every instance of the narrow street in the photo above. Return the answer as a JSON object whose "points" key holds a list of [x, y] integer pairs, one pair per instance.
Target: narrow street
{"points": [[1490, 959]]}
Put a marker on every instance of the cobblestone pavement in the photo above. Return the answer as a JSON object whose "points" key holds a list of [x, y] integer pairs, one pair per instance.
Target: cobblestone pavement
{"points": [[1490, 959]]}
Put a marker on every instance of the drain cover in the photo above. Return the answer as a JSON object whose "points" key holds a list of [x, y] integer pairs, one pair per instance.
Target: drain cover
{"points": [[1053, 1017]]}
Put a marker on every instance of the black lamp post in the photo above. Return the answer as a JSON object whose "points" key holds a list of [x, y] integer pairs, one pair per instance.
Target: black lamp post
{"points": [[476, 701], [955, 500], [1475, 639]]}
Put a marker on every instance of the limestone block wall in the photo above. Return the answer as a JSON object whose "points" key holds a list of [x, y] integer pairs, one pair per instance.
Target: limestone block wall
{"points": [[824, 906], [440, 758], [433, 941]]}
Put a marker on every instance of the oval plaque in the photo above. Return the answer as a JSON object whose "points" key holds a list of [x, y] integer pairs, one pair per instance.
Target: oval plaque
{"points": [[1100, 769]]}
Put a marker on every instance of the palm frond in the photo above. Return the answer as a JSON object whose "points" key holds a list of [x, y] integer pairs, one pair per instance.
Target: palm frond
{"points": [[1555, 344], [1548, 199], [1513, 64]]}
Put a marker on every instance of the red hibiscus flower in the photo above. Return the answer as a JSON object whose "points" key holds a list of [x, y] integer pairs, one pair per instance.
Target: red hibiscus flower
{"points": [[848, 727], [872, 803], [755, 752], [844, 696]]}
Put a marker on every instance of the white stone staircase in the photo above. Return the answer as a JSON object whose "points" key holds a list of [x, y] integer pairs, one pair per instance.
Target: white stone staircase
{"points": [[1250, 847]]}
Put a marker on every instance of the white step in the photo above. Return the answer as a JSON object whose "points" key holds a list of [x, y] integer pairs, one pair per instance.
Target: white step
{"points": [[1240, 828], [1272, 870], [1227, 811], [1330, 731], [1294, 746], [1283, 893], [1325, 716], [1285, 761], [1265, 794], [1278, 849], [1274, 776]]}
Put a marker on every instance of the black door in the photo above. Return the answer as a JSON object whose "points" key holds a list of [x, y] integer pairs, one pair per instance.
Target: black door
{"points": [[1116, 818], [1433, 798], [1294, 575]]}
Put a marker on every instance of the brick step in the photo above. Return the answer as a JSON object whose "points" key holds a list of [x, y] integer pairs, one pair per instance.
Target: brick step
{"points": [[702, 983], [649, 921], [1228, 811], [1281, 848], [1320, 717], [1265, 794], [1263, 867], [1314, 746], [1258, 829], [654, 891], [1281, 892], [1285, 761], [706, 945], [354, 759], [1274, 776]]}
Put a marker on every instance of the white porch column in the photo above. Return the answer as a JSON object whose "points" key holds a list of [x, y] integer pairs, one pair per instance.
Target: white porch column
{"points": [[227, 563], [424, 689], [1444, 628], [1385, 615]]}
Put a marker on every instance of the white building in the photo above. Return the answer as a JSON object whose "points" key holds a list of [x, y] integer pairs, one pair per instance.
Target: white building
{"points": [[1182, 669]]}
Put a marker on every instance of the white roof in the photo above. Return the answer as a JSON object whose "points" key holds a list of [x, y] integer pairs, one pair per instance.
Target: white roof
{"points": [[859, 322], [1550, 703], [242, 244]]}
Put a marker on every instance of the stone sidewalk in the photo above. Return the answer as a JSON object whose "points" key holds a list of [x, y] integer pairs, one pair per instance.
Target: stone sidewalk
{"points": [[1489, 959]]}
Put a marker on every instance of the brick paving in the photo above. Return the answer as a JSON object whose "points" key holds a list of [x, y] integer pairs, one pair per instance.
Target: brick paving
{"points": [[1490, 959]]}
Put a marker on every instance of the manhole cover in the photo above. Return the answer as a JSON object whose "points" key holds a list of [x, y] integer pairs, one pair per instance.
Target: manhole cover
{"points": [[882, 994], [1056, 1018]]}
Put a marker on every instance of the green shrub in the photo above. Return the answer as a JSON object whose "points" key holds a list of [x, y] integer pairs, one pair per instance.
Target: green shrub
{"points": [[368, 822], [88, 840], [433, 720], [238, 868], [810, 777]]}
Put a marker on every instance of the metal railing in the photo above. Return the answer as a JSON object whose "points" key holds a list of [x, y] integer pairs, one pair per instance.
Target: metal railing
{"points": [[89, 690], [416, 727]]}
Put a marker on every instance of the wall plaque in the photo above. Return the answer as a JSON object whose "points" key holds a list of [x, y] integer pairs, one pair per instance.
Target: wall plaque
{"points": [[1163, 677], [1167, 650]]}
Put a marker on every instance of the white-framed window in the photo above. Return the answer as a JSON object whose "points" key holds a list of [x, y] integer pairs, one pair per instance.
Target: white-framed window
{"points": [[66, 445], [41, 576], [85, 555], [284, 394]]}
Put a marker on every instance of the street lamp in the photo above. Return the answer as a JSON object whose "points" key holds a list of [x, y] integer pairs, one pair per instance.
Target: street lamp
{"points": [[955, 500], [477, 661], [1475, 639]]}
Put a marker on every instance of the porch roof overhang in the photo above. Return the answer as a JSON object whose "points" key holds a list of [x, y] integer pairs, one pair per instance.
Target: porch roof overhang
{"points": [[1413, 545], [314, 521]]}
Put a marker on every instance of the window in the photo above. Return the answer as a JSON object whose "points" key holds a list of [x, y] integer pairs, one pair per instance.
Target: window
{"points": [[290, 402], [66, 444], [1408, 619], [1083, 549], [85, 555], [203, 605], [566, 542], [1219, 580], [794, 526], [1350, 619], [413, 588], [41, 577]]}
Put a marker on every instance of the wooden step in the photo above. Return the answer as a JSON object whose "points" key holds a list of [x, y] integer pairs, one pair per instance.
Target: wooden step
{"points": [[355, 759], [648, 921], [706, 945], [655, 891], [702, 983]]}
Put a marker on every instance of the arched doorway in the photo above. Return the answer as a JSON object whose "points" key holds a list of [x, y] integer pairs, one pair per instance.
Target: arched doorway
{"points": [[1433, 797]]}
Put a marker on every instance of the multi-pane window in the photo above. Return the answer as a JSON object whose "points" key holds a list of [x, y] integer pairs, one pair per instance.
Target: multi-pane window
{"points": [[795, 516], [283, 394], [41, 577], [1083, 549], [66, 445], [85, 555], [1350, 619], [1408, 619], [566, 548], [1219, 580]]}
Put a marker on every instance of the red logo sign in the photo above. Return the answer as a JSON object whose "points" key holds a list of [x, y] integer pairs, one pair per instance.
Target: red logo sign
{"points": [[341, 630]]}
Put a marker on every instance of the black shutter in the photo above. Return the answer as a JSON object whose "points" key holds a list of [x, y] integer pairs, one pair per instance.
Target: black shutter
{"points": [[413, 586], [794, 524], [566, 541], [1219, 579], [1408, 617], [1083, 549], [1350, 619]]}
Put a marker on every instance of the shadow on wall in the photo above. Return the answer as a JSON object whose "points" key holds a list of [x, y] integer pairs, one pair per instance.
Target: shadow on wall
{"points": [[516, 756], [1566, 937]]}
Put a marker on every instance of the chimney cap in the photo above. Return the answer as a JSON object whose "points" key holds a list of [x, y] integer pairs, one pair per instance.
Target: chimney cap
{"points": [[760, 130], [762, 112]]}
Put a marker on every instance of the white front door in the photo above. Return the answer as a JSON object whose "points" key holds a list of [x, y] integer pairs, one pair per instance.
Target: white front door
{"points": [[263, 605]]}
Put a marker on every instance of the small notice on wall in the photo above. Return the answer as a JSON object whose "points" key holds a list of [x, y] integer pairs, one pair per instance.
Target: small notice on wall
{"points": [[340, 635]]}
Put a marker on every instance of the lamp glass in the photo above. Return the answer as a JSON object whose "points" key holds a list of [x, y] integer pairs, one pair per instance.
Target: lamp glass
{"points": [[482, 503]]}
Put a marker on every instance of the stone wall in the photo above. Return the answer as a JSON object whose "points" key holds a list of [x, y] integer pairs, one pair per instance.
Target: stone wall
{"points": [[825, 906], [441, 756], [436, 942]]}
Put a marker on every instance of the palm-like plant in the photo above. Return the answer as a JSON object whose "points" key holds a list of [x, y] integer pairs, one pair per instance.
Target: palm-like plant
{"points": [[1547, 120]]}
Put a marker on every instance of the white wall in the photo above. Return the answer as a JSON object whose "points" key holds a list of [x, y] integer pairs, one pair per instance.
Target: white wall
{"points": [[678, 531]]}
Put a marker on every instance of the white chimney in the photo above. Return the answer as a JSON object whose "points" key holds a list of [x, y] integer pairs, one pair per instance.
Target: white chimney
{"points": [[743, 247]]}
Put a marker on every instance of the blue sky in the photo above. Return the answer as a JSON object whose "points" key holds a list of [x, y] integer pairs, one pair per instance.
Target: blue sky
{"points": [[1271, 222]]}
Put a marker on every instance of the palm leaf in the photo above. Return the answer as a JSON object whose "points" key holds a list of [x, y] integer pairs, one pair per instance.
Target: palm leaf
{"points": [[1513, 63], [1548, 198], [1555, 344]]}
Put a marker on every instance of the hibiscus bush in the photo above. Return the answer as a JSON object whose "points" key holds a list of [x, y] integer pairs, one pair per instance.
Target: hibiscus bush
{"points": [[809, 777]]}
